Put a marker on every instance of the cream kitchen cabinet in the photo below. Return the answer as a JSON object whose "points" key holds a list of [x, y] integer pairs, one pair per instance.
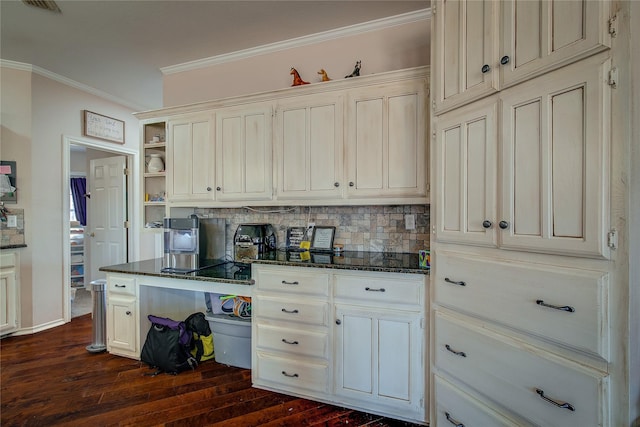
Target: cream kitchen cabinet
{"points": [[518, 378], [386, 142], [190, 160], [552, 141], [352, 338], [379, 343], [122, 319], [484, 46], [309, 144], [9, 287], [290, 339], [244, 166]]}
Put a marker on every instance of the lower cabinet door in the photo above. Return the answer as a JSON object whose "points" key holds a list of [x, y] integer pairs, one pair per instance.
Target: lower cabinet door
{"points": [[379, 360], [121, 327]]}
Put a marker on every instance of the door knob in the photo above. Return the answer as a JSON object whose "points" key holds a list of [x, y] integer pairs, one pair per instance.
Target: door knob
{"points": [[503, 224], [208, 188], [338, 321], [485, 68], [505, 60], [351, 184], [336, 184], [486, 223], [218, 188]]}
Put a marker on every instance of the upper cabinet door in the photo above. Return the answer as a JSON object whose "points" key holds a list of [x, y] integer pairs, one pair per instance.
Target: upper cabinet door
{"points": [[386, 148], [541, 35], [465, 51], [309, 134], [243, 153], [555, 145], [466, 161], [191, 159]]}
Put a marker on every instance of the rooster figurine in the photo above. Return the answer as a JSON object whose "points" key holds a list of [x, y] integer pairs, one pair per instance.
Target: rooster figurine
{"points": [[356, 70]]}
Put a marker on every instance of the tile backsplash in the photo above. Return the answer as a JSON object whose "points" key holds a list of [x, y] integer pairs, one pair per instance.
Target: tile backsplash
{"points": [[358, 228], [10, 236]]}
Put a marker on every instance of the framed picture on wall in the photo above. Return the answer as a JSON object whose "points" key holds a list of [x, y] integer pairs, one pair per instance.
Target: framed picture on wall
{"points": [[8, 185], [102, 127]]}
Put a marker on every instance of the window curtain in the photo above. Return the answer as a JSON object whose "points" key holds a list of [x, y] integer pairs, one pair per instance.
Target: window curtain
{"points": [[78, 191]]}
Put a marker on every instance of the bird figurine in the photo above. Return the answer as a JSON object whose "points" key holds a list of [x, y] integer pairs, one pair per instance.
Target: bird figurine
{"points": [[356, 70], [323, 73], [297, 80]]}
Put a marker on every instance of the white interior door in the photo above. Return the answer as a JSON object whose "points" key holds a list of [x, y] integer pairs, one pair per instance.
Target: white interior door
{"points": [[106, 210]]}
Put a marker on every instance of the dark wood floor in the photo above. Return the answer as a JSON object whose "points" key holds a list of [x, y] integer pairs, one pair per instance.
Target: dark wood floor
{"points": [[49, 379]]}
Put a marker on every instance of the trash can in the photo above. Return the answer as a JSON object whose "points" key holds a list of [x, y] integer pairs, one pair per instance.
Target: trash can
{"points": [[99, 316]]}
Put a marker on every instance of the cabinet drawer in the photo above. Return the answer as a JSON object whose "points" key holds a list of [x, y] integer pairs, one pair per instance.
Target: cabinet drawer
{"points": [[290, 310], [292, 280], [305, 343], [122, 285], [568, 306], [292, 373], [453, 406], [519, 377], [381, 290]]}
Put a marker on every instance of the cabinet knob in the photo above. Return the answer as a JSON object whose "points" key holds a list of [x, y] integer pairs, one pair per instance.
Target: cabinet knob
{"points": [[218, 188], [485, 68], [128, 313], [338, 321], [503, 224], [505, 60], [336, 184], [208, 188], [92, 234], [486, 223], [351, 184]]}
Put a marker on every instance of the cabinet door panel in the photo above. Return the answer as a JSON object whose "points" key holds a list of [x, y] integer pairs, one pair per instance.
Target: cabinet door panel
{"points": [[121, 328], [309, 140], [403, 149], [369, 144], [181, 155], [243, 154], [466, 40], [394, 359], [554, 151], [541, 35], [8, 299], [357, 353], [466, 151], [203, 159]]}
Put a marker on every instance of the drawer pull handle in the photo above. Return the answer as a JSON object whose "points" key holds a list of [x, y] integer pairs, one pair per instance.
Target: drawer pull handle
{"points": [[557, 307], [284, 282], [290, 342], [120, 286], [368, 289], [284, 310], [289, 375], [564, 405], [457, 353], [453, 420], [460, 283]]}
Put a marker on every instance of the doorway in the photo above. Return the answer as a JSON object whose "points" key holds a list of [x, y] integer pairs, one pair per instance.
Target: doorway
{"points": [[79, 157]]}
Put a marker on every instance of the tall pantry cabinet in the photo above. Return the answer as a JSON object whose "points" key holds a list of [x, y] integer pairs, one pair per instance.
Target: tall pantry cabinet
{"points": [[523, 246]]}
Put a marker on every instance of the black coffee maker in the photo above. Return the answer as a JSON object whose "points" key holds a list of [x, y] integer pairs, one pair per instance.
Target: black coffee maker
{"points": [[253, 241]]}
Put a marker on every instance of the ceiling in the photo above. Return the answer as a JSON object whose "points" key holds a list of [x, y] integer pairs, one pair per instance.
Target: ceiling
{"points": [[118, 47]]}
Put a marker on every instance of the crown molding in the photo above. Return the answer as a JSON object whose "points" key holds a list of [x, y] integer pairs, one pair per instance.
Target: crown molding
{"points": [[69, 82], [378, 24]]}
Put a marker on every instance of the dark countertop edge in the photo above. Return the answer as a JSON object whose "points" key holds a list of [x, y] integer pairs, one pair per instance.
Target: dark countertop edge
{"points": [[378, 269], [177, 276], [22, 245]]}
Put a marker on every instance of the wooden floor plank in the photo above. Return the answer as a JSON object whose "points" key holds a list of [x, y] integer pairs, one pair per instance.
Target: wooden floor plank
{"points": [[50, 379]]}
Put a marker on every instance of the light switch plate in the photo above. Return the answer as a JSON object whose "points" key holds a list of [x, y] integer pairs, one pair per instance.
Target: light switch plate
{"points": [[12, 221]]}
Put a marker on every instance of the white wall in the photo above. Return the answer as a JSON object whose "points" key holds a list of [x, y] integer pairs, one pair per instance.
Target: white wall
{"points": [[380, 50], [36, 112]]}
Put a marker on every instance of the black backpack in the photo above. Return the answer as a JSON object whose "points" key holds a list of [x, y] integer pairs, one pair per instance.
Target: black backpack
{"points": [[167, 346]]}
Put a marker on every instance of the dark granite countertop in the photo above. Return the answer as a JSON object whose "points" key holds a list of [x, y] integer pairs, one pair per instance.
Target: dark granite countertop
{"points": [[219, 271], [240, 273], [21, 245], [347, 260]]}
